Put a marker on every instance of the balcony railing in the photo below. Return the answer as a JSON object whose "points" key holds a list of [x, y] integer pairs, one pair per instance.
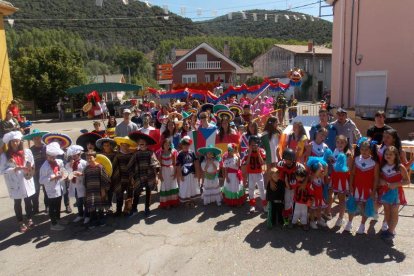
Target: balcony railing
{"points": [[203, 65]]}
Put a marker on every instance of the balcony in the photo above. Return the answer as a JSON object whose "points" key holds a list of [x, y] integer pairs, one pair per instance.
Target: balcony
{"points": [[198, 65]]}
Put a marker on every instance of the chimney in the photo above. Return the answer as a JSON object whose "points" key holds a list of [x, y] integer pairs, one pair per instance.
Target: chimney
{"points": [[310, 45], [226, 49]]}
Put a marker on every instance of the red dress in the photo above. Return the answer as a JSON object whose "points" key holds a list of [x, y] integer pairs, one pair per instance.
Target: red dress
{"points": [[340, 180], [390, 175], [363, 178], [317, 192]]}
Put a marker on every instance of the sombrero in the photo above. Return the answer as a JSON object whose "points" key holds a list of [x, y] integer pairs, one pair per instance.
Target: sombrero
{"points": [[87, 107], [219, 107], [179, 103], [178, 123], [205, 150], [136, 135], [228, 113], [86, 138], [105, 162], [35, 133], [125, 140], [186, 115], [192, 110], [235, 107], [63, 139], [206, 106], [175, 115], [99, 142]]}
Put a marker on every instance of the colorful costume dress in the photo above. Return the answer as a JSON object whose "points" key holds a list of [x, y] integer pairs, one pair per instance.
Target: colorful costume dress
{"points": [[169, 185], [317, 192], [189, 188], [287, 175], [339, 179], [96, 180], [211, 186], [233, 191], [387, 195], [363, 178], [318, 150]]}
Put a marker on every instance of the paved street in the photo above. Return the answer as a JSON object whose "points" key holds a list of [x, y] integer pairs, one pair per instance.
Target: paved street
{"points": [[202, 241]]}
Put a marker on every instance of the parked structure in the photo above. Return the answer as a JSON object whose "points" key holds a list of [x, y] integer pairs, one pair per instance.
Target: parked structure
{"points": [[111, 96]]}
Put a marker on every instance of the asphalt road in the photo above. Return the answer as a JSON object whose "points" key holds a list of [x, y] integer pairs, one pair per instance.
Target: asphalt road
{"points": [[207, 240]]}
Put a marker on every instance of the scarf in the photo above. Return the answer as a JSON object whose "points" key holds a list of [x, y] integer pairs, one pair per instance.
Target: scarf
{"points": [[55, 167], [18, 158], [74, 168]]}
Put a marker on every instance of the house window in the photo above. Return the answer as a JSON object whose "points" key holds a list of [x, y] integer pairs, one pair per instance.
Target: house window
{"points": [[306, 65], [321, 65], [189, 78], [207, 78]]}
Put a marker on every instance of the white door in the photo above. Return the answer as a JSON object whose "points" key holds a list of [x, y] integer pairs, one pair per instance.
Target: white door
{"points": [[371, 88]]}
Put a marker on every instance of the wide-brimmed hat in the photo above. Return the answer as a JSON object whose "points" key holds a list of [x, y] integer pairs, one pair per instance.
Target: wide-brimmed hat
{"points": [[179, 103], [186, 115], [192, 110], [211, 148], [99, 142], [86, 138], [64, 140], [87, 107], [137, 135], [125, 140], [228, 113], [175, 115], [35, 133], [237, 107], [178, 123], [219, 107], [105, 162], [206, 106]]}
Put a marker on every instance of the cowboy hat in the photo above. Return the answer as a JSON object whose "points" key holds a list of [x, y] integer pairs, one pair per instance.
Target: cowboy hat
{"points": [[35, 133], [137, 135], [64, 140], [125, 140]]}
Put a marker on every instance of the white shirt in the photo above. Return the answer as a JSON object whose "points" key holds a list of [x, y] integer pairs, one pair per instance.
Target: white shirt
{"points": [[77, 188], [54, 188]]}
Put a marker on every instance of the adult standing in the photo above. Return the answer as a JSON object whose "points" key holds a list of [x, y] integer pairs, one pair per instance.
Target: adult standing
{"points": [[126, 126], [61, 109], [17, 164], [377, 130], [104, 108], [14, 108], [8, 124], [324, 123], [346, 126]]}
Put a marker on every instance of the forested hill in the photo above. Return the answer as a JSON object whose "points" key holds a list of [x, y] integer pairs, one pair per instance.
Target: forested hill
{"points": [[143, 30], [298, 27], [145, 27]]}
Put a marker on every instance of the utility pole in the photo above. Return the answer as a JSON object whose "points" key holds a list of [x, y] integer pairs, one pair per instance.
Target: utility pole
{"points": [[313, 75]]}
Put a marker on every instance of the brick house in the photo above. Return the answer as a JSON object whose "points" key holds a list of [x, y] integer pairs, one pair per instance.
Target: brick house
{"points": [[205, 64]]}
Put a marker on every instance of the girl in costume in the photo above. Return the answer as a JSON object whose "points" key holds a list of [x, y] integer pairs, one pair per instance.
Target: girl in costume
{"points": [[341, 161], [110, 127], [364, 178], [16, 164], [252, 129], [254, 160], [52, 176], [317, 147], [391, 138], [392, 177], [188, 173], [233, 190], [167, 157], [210, 167], [318, 168], [270, 142], [297, 140]]}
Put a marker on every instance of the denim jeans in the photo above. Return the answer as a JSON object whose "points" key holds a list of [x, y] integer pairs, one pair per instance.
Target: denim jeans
{"points": [[27, 206]]}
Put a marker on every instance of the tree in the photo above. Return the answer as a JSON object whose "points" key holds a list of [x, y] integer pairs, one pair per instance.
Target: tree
{"points": [[254, 81], [43, 74]]}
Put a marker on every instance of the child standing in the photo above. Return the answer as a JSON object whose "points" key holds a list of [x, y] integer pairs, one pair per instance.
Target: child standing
{"points": [[275, 195], [317, 147], [342, 160], [188, 172], [52, 176], [210, 167], [317, 168], [363, 180], [76, 185], [393, 176], [297, 140], [254, 161], [167, 157], [303, 198], [233, 190]]}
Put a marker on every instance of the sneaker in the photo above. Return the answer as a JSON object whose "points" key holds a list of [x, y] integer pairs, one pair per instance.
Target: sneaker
{"points": [[313, 225], [348, 227], [252, 209], [23, 228], [57, 227], [68, 210], [77, 219], [361, 229], [384, 226], [339, 222], [86, 220], [322, 223]]}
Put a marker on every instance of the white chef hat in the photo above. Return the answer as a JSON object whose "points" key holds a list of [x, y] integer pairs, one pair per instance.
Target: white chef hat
{"points": [[13, 135], [74, 149], [53, 149]]}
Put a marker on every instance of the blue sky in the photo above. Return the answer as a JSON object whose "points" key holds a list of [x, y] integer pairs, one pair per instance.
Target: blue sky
{"points": [[206, 9]]}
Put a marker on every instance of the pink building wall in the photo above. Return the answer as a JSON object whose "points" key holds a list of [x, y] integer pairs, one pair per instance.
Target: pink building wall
{"points": [[386, 42]]}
